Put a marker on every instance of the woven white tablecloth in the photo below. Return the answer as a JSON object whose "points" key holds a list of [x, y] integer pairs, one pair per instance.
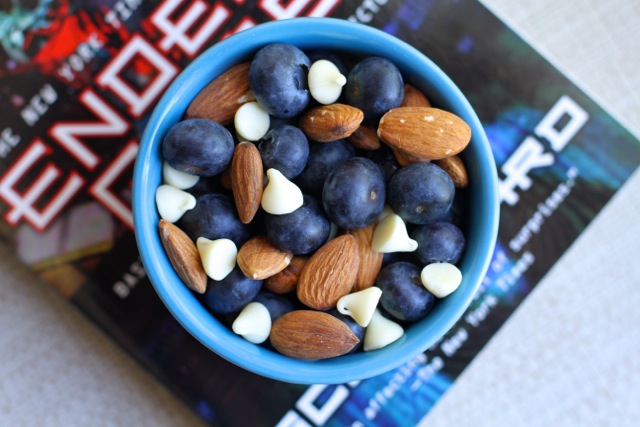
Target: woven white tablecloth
{"points": [[569, 356]]}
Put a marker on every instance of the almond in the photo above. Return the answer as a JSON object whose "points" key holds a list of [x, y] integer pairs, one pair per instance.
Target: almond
{"points": [[247, 179], [221, 98], [311, 335], [424, 132], [259, 259], [454, 166], [330, 273], [413, 97], [370, 260], [183, 256], [365, 138], [286, 280], [405, 159], [328, 123]]}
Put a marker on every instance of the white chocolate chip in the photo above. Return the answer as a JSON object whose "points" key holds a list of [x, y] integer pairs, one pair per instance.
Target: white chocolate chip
{"points": [[178, 179], [386, 211], [441, 278], [360, 305], [218, 256], [172, 202], [251, 121], [280, 196], [253, 323], [391, 235], [381, 332], [325, 81]]}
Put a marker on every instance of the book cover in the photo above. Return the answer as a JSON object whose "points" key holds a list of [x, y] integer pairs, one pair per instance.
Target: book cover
{"points": [[78, 79]]}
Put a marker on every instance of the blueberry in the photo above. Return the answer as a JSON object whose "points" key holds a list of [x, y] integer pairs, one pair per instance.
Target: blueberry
{"points": [[323, 157], [276, 304], [278, 78], [375, 86], [354, 193], [198, 146], [232, 293], [357, 330], [286, 149], [302, 231], [420, 192], [215, 217], [438, 242], [403, 295], [384, 158]]}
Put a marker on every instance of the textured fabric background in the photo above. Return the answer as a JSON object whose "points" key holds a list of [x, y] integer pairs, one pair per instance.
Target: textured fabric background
{"points": [[567, 357]]}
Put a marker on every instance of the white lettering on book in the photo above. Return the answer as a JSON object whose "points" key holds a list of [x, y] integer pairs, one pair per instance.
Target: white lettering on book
{"points": [[23, 204], [109, 123], [39, 104], [137, 101], [530, 153]]}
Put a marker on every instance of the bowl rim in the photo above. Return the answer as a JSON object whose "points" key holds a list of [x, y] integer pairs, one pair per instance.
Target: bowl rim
{"points": [[195, 318]]}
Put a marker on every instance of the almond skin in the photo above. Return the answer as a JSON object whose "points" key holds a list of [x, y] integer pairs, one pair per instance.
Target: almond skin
{"points": [[413, 97], [247, 179], [328, 123], [183, 256], [365, 138], [259, 259], [370, 260], [286, 280], [455, 168], [330, 273], [311, 335], [405, 159], [424, 132], [221, 98]]}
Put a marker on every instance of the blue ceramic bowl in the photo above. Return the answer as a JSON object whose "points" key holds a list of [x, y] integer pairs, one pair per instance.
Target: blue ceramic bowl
{"points": [[327, 34]]}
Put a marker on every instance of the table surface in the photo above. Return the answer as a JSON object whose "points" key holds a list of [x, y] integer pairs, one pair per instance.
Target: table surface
{"points": [[567, 357]]}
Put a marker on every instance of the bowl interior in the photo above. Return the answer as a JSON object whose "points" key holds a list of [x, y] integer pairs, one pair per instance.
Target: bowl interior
{"points": [[327, 34]]}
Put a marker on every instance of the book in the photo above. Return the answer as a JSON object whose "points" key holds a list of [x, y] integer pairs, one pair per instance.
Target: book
{"points": [[78, 82]]}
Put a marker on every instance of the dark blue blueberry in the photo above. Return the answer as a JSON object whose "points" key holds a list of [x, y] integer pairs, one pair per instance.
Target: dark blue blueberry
{"points": [[198, 146], [375, 86], [354, 193], [276, 304], [278, 78], [215, 217], [438, 242], [384, 157], [232, 293], [302, 231], [357, 330], [286, 149], [420, 193], [403, 295], [323, 157]]}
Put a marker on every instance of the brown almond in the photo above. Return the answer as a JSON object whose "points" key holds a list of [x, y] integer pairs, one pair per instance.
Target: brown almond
{"points": [[311, 335], [221, 98], [454, 166], [424, 132], [286, 280], [413, 97], [259, 259], [365, 138], [330, 273], [247, 179], [328, 123], [225, 179], [183, 256], [405, 159], [370, 260]]}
